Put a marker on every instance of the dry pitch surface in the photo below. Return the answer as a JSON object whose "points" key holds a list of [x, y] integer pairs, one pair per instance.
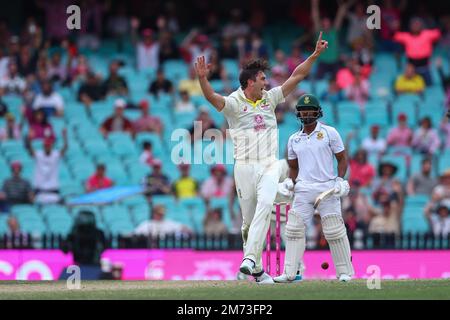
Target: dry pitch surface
{"points": [[226, 290]]}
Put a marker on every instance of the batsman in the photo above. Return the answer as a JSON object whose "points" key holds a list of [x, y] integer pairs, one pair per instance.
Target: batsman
{"points": [[250, 113], [311, 153]]}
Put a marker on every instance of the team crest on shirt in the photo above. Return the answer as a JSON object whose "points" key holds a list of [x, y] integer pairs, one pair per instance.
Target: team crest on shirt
{"points": [[320, 135], [264, 105], [245, 108]]}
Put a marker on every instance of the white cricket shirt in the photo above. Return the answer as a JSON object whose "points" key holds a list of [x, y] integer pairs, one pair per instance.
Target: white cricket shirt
{"points": [[315, 153], [253, 125]]}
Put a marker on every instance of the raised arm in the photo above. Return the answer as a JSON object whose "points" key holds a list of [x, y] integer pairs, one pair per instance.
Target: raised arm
{"points": [[202, 70], [304, 68], [342, 163], [65, 144], [342, 12], [315, 14]]}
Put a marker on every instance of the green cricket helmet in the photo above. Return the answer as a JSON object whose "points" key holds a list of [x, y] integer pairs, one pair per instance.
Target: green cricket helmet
{"points": [[308, 102]]}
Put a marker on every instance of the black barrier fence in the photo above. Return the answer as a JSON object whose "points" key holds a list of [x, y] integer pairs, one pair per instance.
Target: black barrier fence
{"points": [[358, 241]]}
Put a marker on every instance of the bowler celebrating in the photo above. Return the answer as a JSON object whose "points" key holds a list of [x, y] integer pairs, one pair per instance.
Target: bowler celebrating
{"points": [[311, 152], [250, 113]]}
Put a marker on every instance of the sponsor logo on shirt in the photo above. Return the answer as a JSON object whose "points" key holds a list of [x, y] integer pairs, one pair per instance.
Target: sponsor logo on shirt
{"points": [[259, 123]]}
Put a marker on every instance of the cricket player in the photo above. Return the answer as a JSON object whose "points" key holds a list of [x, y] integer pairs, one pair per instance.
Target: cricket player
{"points": [[311, 152], [250, 113]]}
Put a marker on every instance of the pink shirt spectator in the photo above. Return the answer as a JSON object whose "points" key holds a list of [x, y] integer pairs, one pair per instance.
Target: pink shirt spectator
{"points": [[210, 188], [363, 173], [418, 46], [358, 92], [40, 131], [147, 124], [399, 137], [445, 127], [95, 183]]}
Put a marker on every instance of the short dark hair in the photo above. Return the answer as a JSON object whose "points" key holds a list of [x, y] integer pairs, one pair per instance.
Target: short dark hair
{"points": [[251, 69]]}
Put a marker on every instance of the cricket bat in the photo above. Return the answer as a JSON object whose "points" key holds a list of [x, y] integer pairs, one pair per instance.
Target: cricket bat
{"points": [[324, 195]]}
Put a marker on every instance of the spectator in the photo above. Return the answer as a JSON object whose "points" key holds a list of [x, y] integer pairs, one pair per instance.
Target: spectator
{"points": [[46, 172], [386, 184], [147, 122], [16, 190], [227, 49], [419, 46], [115, 84], [117, 122], [27, 61], [217, 71], [445, 129], [387, 220], [184, 104], [161, 84], [445, 80], [98, 180], [442, 191], [400, 136], [410, 81], [358, 91], [91, 24], [426, 139], [205, 121], [195, 45], [49, 101], [147, 51], [168, 49], [157, 183], [79, 68], [91, 90], [159, 226], [295, 58], [357, 28], [333, 94], [374, 145], [422, 182], [254, 47], [146, 156], [390, 23], [279, 76], [119, 25], [358, 204], [185, 186], [213, 224], [40, 128], [191, 85], [361, 171], [328, 63], [57, 71], [15, 238], [218, 184], [236, 28], [13, 82], [12, 130], [439, 221]]}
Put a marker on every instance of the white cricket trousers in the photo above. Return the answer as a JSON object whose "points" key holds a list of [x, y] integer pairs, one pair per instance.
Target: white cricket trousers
{"points": [[256, 187], [305, 193]]}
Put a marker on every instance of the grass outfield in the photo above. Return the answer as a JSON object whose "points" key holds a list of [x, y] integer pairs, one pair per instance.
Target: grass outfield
{"points": [[225, 290]]}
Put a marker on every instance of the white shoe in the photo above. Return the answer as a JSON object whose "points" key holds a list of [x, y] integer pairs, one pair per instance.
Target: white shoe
{"points": [[264, 279], [344, 278], [247, 267], [284, 279]]}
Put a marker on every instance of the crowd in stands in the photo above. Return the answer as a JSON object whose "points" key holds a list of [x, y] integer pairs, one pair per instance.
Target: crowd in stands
{"points": [[53, 70]]}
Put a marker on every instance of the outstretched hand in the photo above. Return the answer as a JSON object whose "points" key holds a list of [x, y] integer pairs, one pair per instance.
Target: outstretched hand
{"points": [[201, 67], [321, 45]]}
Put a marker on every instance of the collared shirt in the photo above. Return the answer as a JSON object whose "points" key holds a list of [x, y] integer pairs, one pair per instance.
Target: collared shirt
{"points": [[315, 153], [253, 125]]}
